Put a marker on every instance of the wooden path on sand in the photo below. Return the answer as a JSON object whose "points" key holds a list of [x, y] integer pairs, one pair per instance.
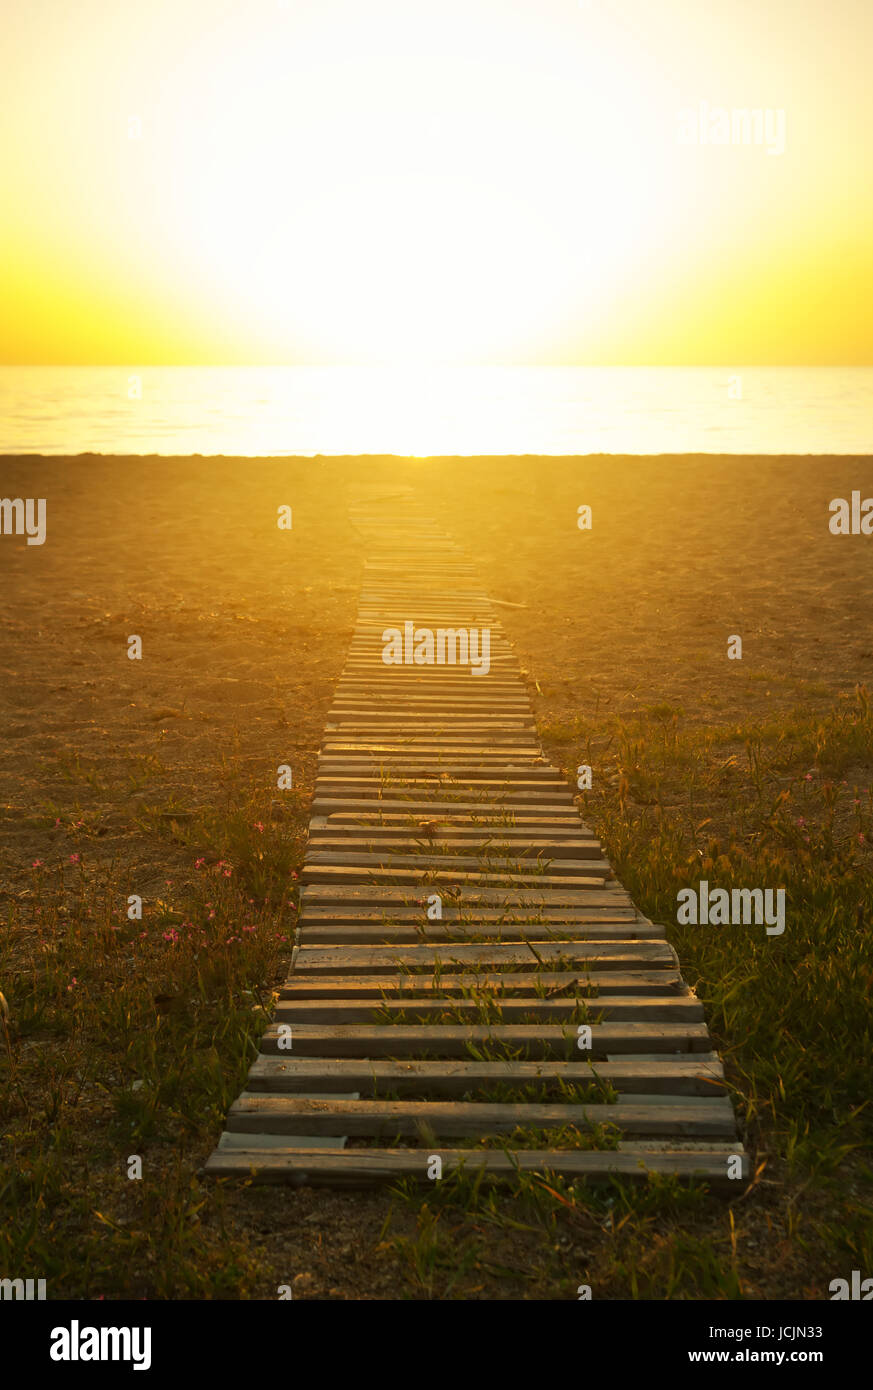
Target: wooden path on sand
{"points": [[411, 1038]]}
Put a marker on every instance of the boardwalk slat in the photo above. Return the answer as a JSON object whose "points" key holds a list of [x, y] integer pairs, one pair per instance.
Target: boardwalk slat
{"points": [[365, 959], [283, 1114], [593, 893], [356, 934], [403, 914], [554, 982], [662, 1009], [455, 1040], [497, 846], [670, 1076], [365, 1167]]}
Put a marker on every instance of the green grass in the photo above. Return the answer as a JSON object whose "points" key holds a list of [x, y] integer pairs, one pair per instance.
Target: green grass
{"points": [[131, 1037], [790, 1014], [787, 803]]}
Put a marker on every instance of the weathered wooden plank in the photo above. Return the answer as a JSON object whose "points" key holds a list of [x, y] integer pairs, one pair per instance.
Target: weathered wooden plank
{"points": [[497, 731], [491, 813], [693, 1116], [386, 707], [414, 914], [390, 701], [554, 982], [449, 777], [493, 821], [386, 839], [448, 678], [547, 865], [419, 688], [503, 676], [367, 960], [460, 784], [366, 1167], [456, 1040], [422, 727], [371, 618], [366, 656], [403, 748], [483, 714], [412, 790], [540, 775], [516, 1009], [366, 786], [411, 934], [465, 833], [378, 723], [440, 756], [599, 894], [372, 876], [671, 1076], [449, 688], [470, 768], [498, 807], [388, 710], [363, 669]]}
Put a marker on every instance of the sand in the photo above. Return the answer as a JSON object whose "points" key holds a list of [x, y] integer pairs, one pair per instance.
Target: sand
{"points": [[244, 627]]}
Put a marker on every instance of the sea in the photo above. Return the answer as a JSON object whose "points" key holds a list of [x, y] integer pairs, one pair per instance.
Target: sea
{"points": [[435, 411]]}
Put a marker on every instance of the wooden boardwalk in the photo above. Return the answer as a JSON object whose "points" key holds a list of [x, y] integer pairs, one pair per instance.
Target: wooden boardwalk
{"points": [[398, 1038]]}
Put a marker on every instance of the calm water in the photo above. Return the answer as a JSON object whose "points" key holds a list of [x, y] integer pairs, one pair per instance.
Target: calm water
{"points": [[488, 410]]}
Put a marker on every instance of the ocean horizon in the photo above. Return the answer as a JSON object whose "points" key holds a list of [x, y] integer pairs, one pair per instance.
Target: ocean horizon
{"points": [[439, 411]]}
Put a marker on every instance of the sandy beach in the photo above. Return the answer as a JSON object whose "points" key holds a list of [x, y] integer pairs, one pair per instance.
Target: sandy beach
{"points": [[117, 775], [244, 627]]}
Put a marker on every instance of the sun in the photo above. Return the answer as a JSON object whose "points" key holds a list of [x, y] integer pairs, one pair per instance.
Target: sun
{"points": [[380, 212]]}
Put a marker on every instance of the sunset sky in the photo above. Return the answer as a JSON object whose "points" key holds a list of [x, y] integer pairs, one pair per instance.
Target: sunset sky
{"points": [[484, 181]]}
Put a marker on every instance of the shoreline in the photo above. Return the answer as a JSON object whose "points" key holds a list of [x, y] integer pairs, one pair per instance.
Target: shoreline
{"points": [[429, 458]]}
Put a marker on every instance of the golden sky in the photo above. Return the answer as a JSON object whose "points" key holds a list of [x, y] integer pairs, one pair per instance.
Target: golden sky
{"points": [[319, 181]]}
